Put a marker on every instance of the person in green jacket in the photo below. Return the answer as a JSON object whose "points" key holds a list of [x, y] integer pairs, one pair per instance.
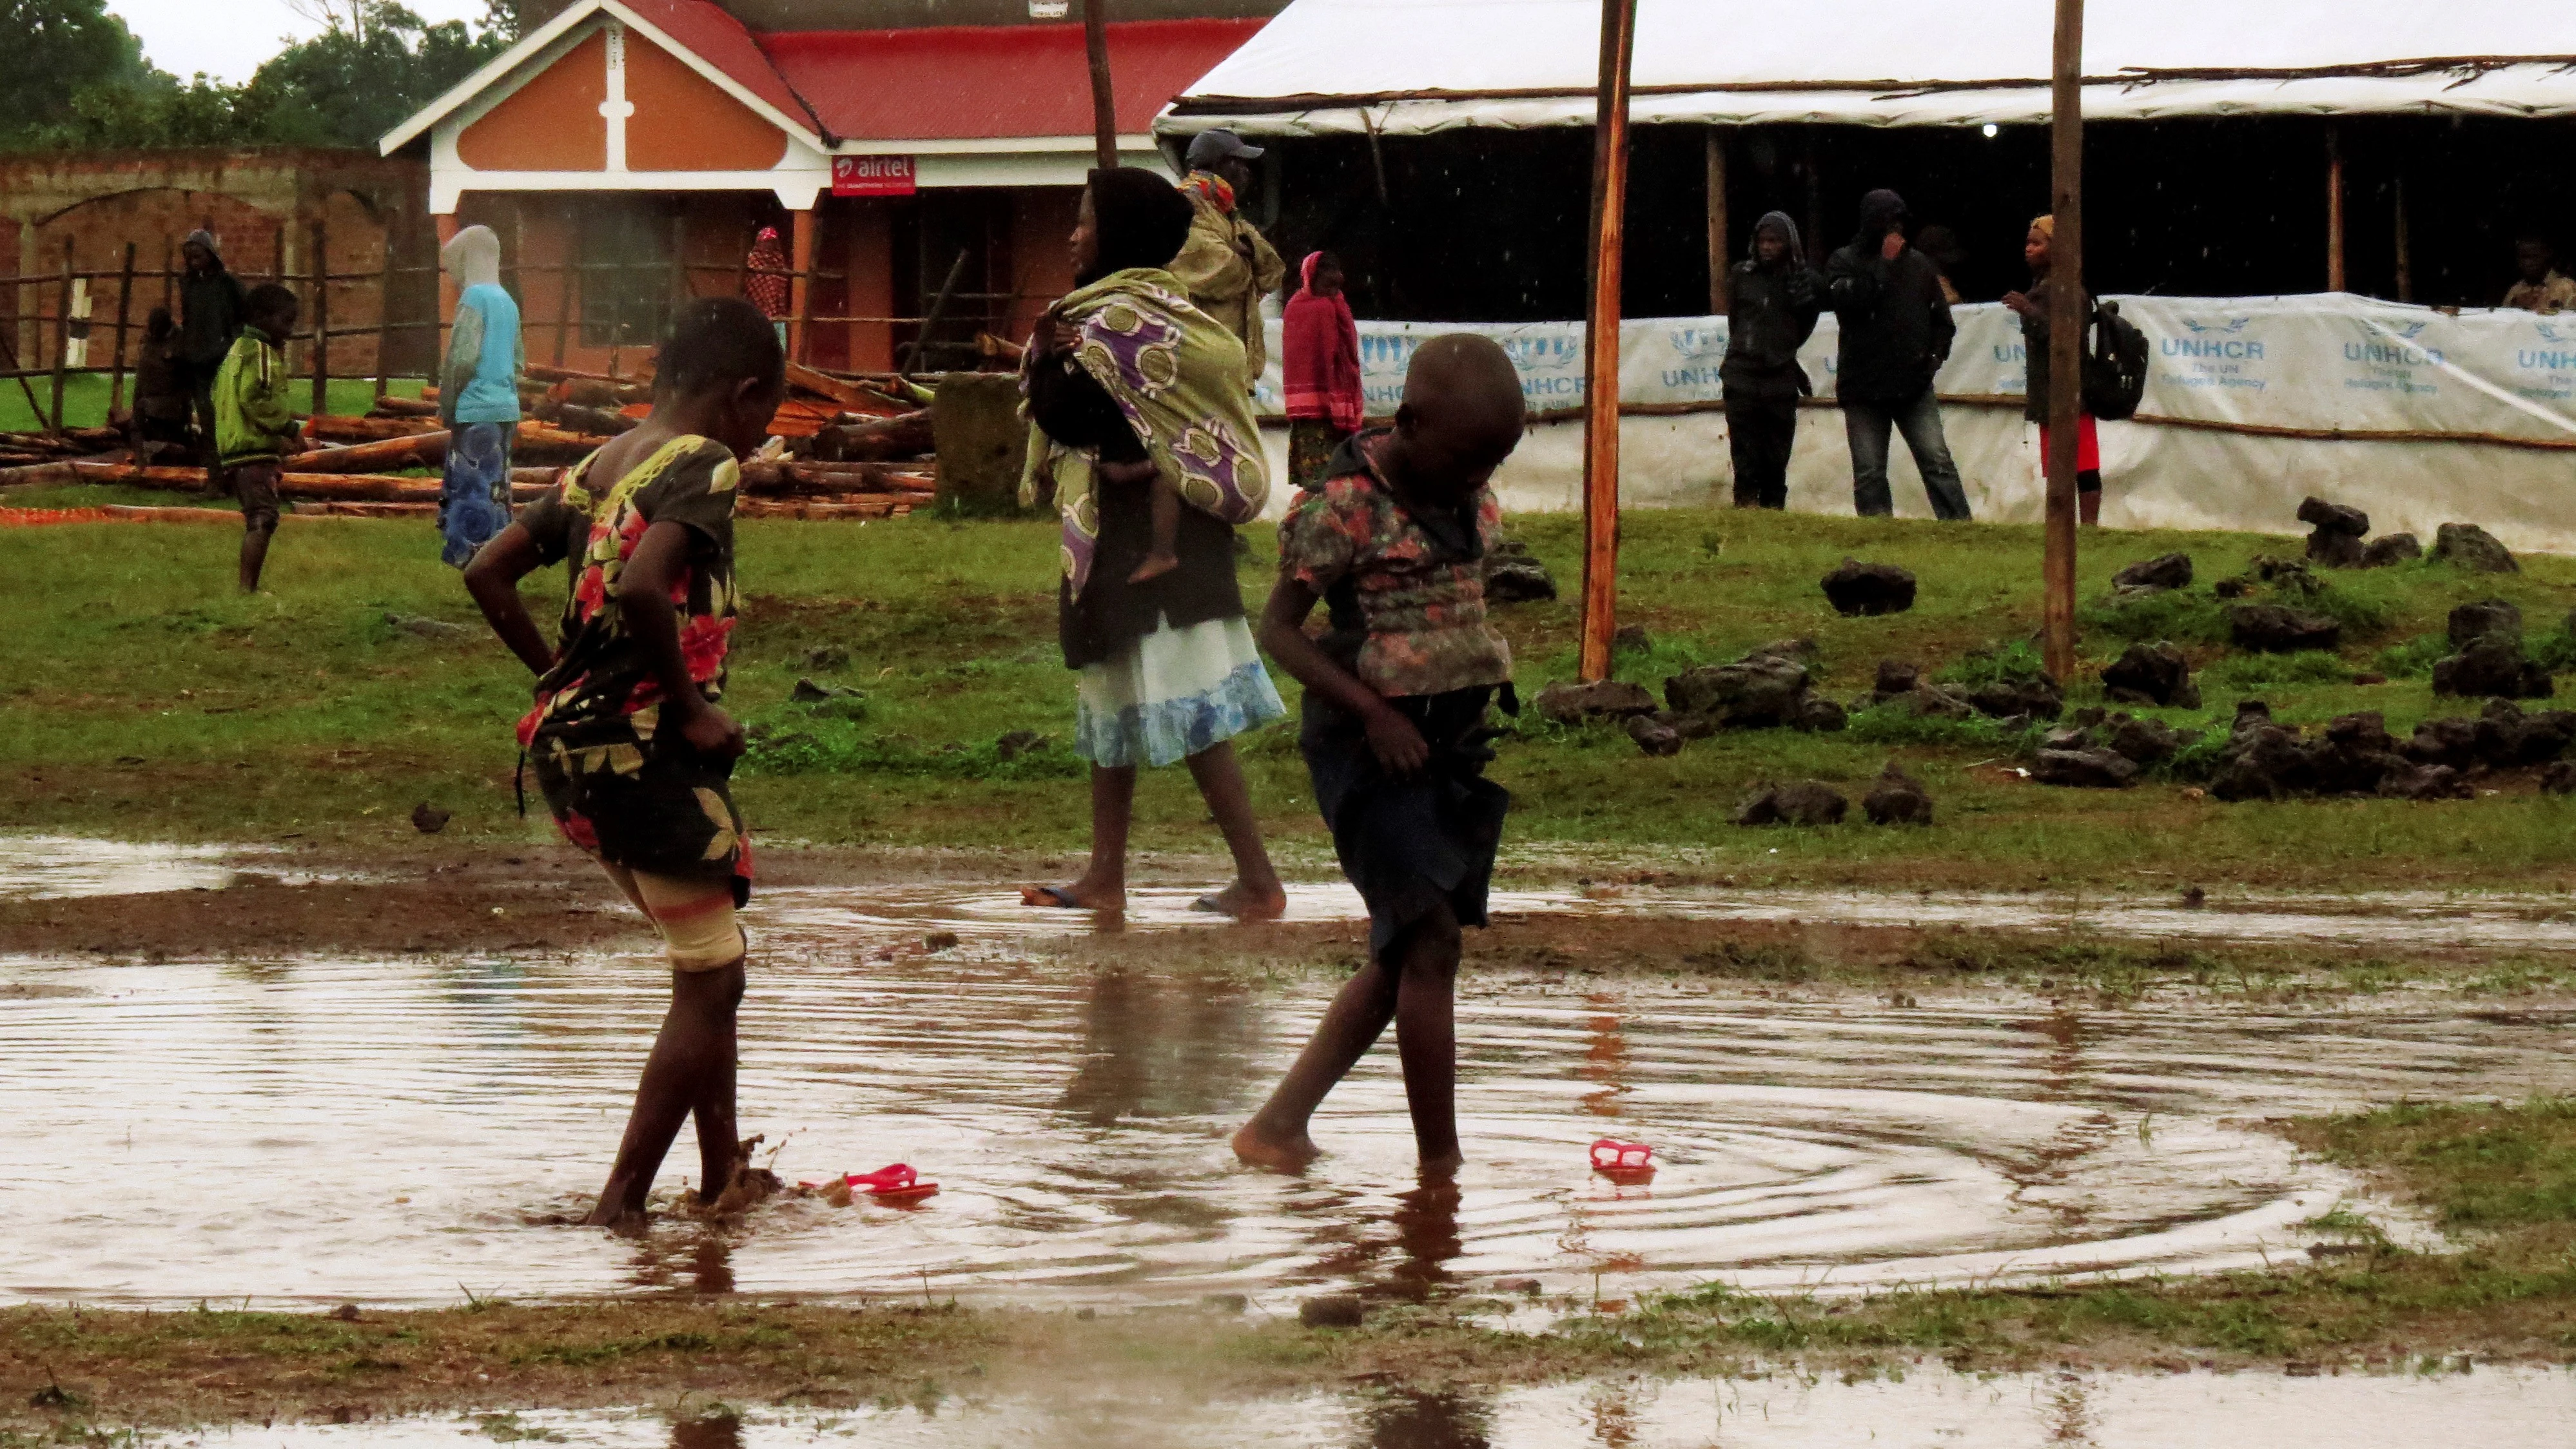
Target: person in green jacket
{"points": [[254, 430]]}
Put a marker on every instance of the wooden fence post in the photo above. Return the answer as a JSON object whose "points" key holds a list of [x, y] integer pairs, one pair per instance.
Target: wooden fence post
{"points": [[800, 262], [2068, 321], [1720, 256], [2335, 278], [321, 320], [616, 315], [63, 334], [385, 318], [124, 305], [1104, 106], [1601, 343]]}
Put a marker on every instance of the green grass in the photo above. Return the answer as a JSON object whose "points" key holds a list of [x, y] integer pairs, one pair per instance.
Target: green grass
{"points": [[85, 399], [144, 697]]}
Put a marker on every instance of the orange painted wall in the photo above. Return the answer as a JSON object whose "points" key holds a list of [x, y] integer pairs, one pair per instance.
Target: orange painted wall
{"points": [[682, 122], [553, 122]]}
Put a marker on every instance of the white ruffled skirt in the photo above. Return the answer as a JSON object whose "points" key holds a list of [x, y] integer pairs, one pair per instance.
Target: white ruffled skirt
{"points": [[1172, 694]]}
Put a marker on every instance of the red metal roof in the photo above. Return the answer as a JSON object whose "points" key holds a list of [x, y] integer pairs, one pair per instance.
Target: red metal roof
{"points": [[971, 82], [707, 31]]}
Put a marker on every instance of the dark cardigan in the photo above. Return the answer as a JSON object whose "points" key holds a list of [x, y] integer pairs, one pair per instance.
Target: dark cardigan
{"points": [[1074, 409]]}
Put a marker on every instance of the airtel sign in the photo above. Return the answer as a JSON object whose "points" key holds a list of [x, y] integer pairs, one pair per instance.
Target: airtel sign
{"points": [[872, 176]]}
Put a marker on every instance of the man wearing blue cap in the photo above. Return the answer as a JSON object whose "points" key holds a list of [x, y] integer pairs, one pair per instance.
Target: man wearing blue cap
{"points": [[1228, 265]]}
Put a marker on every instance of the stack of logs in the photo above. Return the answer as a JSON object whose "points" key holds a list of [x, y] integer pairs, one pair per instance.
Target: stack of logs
{"points": [[841, 449]]}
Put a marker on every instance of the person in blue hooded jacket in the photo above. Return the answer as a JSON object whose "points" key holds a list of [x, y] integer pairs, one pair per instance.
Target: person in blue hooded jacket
{"points": [[478, 396]]}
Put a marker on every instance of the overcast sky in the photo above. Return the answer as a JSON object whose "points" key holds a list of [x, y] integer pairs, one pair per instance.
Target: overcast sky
{"points": [[228, 39]]}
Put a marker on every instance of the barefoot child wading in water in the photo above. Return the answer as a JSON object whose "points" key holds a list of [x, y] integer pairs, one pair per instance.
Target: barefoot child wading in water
{"points": [[1393, 543], [627, 740]]}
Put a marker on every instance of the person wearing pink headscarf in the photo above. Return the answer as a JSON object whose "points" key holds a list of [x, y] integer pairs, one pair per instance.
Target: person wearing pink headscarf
{"points": [[764, 280], [1321, 364]]}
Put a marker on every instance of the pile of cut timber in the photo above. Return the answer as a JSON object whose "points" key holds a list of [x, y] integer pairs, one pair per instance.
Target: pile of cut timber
{"points": [[840, 449]]}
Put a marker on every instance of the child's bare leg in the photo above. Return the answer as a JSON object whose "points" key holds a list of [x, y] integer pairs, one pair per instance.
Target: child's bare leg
{"points": [[1276, 1136], [1426, 1035], [1164, 555], [1103, 886], [1256, 894], [254, 556], [692, 1065]]}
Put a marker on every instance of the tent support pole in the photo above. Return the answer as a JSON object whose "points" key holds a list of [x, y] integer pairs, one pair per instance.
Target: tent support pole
{"points": [[2334, 208], [2067, 324], [1601, 343], [1719, 254], [1104, 105]]}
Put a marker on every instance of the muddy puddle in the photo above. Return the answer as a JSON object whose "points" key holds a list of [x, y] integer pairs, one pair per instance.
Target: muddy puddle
{"points": [[2488, 922], [1926, 1409], [386, 1131], [45, 867]]}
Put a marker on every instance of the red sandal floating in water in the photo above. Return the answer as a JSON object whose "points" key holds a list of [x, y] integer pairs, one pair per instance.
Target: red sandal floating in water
{"points": [[897, 1183], [1623, 1161]]}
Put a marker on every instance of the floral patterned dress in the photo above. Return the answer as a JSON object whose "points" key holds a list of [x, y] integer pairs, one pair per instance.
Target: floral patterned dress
{"points": [[621, 787], [1405, 591]]}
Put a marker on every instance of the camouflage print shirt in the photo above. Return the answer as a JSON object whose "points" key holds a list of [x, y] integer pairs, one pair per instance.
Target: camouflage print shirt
{"points": [[1406, 593]]}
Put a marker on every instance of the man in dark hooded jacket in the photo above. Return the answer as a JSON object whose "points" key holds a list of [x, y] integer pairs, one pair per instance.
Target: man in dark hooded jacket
{"points": [[1896, 333], [1773, 299], [210, 317]]}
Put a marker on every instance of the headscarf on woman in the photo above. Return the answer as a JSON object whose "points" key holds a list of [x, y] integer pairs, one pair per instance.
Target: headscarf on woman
{"points": [[1321, 355], [764, 282], [1174, 371]]}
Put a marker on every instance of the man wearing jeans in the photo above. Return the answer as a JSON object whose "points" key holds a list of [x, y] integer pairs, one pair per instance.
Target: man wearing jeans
{"points": [[1896, 333]]}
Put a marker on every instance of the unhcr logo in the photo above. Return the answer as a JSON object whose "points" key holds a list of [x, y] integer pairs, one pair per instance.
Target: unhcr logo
{"points": [[1697, 342], [2214, 339]]}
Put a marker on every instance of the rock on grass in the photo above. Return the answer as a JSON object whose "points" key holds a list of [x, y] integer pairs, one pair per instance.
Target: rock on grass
{"points": [[2086, 769], [2468, 546], [2164, 571], [1569, 704], [2391, 549], [2279, 629], [1806, 802], [2156, 674], [1897, 799], [1855, 588]]}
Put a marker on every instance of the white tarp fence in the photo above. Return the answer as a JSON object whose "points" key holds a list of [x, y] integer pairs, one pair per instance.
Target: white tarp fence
{"points": [[2316, 363], [1349, 66]]}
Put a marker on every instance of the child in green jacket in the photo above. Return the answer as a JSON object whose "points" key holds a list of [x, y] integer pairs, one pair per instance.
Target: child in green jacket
{"points": [[254, 430]]}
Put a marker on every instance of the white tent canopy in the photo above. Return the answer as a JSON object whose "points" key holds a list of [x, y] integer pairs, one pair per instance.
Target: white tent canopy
{"points": [[1417, 66]]}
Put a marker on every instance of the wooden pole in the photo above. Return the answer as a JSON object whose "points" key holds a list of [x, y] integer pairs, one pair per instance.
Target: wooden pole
{"points": [[800, 286], [679, 261], [616, 315], [2405, 246], [1601, 342], [385, 313], [124, 316], [63, 334], [1104, 103], [2334, 208], [1720, 255], [321, 264], [2067, 321]]}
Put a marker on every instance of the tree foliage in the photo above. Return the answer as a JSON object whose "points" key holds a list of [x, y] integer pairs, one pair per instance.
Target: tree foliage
{"points": [[57, 49], [375, 63]]}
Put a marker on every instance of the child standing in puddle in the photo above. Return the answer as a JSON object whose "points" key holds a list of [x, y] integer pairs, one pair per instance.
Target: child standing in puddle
{"points": [[627, 739], [1393, 544]]}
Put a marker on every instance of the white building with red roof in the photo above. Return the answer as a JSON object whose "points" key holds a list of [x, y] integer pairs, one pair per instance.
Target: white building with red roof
{"points": [[628, 152]]}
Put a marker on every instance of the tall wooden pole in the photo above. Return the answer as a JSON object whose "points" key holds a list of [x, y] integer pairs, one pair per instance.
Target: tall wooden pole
{"points": [[2334, 208], [1601, 343], [1719, 255], [1104, 102], [124, 305], [2067, 321], [321, 264]]}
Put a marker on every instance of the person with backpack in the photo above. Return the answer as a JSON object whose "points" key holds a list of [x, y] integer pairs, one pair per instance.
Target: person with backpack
{"points": [[2033, 309]]}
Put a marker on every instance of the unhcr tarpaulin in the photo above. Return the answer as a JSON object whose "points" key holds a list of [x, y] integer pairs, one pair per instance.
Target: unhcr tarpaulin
{"points": [[1415, 66], [2418, 416]]}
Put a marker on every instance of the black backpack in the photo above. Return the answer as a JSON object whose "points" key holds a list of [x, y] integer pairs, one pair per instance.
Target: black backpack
{"points": [[2115, 367]]}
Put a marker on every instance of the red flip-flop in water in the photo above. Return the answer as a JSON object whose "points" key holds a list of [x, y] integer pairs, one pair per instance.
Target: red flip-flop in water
{"points": [[897, 1183], [1623, 1161]]}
